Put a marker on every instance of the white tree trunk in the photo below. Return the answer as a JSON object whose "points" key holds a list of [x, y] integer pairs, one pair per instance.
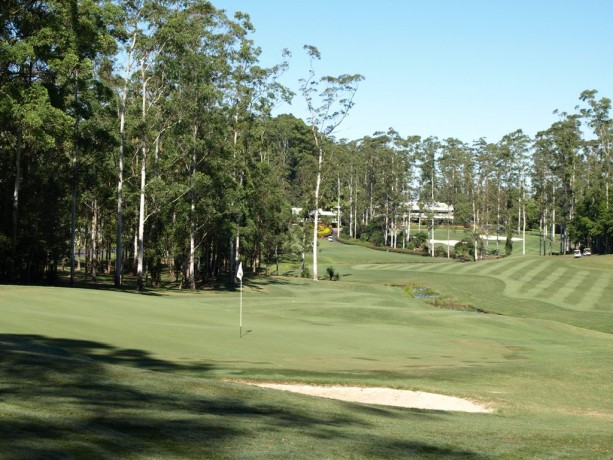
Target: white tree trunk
{"points": [[191, 271], [316, 215], [141, 222], [123, 97], [524, 228], [94, 234]]}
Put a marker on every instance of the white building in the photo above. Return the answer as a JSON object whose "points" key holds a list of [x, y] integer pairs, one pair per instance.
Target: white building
{"points": [[441, 212]]}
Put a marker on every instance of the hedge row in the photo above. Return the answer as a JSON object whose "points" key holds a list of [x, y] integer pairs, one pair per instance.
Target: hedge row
{"points": [[365, 244]]}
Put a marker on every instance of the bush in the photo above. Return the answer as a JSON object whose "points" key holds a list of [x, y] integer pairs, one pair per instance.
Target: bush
{"points": [[323, 230], [464, 249], [368, 245], [332, 275], [508, 246], [440, 251], [419, 240]]}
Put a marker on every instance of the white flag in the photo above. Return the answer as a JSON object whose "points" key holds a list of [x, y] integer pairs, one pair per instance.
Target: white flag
{"points": [[239, 272]]}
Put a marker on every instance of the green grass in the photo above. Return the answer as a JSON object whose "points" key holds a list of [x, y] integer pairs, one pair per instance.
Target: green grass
{"points": [[106, 374]]}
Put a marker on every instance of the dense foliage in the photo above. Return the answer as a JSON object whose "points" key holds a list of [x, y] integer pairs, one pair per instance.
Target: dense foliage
{"points": [[140, 135]]}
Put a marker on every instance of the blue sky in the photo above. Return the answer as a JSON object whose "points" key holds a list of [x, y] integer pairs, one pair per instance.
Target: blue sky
{"points": [[445, 68]]}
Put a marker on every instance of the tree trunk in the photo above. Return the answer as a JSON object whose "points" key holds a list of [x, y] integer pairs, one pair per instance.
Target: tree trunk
{"points": [[316, 215], [94, 234], [141, 222], [351, 233], [191, 271], [18, 151], [123, 97], [523, 216], [338, 205], [475, 229], [73, 217], [118, 241]]}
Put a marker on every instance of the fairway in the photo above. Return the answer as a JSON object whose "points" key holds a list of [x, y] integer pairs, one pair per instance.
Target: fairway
{"points": [[541, 358]]}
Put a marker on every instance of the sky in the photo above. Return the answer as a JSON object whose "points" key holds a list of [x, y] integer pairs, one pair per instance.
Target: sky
{"points": [[467, 69]]}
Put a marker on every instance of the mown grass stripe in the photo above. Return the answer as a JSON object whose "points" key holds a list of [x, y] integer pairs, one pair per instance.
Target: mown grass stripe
{"points": [[502, 266], [604, 297], [451, 266], [511, 270], [566, 288], [588, 292], [538, 275], [550, 282], [529, 272], [475, 267], [521, 277]]}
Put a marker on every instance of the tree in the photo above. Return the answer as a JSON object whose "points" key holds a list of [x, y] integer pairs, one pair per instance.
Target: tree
{"points": [[327, 108], [514, 149], [560, 145], [427, 158], [47, 55]]}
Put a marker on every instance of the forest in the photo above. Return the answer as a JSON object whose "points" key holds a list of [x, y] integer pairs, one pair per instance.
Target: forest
{"points": [[140, 136]]}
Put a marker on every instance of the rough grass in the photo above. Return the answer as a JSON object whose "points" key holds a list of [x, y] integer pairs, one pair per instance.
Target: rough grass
{"points": [[102, 374]]}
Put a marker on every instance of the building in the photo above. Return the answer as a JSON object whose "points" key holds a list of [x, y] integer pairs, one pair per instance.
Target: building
{"points": [[440, 212]]}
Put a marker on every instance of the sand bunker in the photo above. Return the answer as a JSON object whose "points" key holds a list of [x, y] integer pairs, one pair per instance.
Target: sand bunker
{"points": [[383, 396]]}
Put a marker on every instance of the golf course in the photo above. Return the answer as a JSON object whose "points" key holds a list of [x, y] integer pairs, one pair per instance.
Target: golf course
{"points": [[96, 372]]}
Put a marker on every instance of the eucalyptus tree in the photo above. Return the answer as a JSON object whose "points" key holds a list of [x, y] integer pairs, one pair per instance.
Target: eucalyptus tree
{"points": [[452, 187], [363, 183], [387, 180], [560, 146], [397, 179], [287, 144], [327, 108], [513, 155], [543, 188], [355, 167], [129, 31], [594, 217], [427, 163], [89, 43], [479, 180], [32, 122], [249, 95], [192, 61], [47, 53], [597, 117], [411, 146], [151, 88]]}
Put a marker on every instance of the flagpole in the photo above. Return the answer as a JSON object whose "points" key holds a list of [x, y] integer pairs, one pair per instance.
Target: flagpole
{"points": [[239, 275]]}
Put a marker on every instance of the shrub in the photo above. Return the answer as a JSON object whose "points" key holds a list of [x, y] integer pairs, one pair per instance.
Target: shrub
{"points": [[332, 275], [508, 246], [464, 248], [419, 239], [440, 251]]}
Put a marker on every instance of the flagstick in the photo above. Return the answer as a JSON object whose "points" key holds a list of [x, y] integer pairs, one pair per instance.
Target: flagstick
{"points": [[241, 311]]}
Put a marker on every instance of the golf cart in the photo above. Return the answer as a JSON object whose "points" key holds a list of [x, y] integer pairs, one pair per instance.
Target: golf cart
{"points": [[577, 253]]}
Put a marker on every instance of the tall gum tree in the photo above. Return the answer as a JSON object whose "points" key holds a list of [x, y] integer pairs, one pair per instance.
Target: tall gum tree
{"points": [[329, 100], [560, 145]]}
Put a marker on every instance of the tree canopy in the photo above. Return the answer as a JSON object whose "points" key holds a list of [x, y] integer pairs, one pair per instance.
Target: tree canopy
{"points": [[141, 136]]}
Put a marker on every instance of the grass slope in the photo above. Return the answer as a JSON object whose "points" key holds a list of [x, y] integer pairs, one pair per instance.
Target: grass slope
{"points": [[102, 374]]}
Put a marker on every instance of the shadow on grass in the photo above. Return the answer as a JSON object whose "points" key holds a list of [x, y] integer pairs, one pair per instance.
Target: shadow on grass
{"points": [[57, 402], [106, 283]]}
